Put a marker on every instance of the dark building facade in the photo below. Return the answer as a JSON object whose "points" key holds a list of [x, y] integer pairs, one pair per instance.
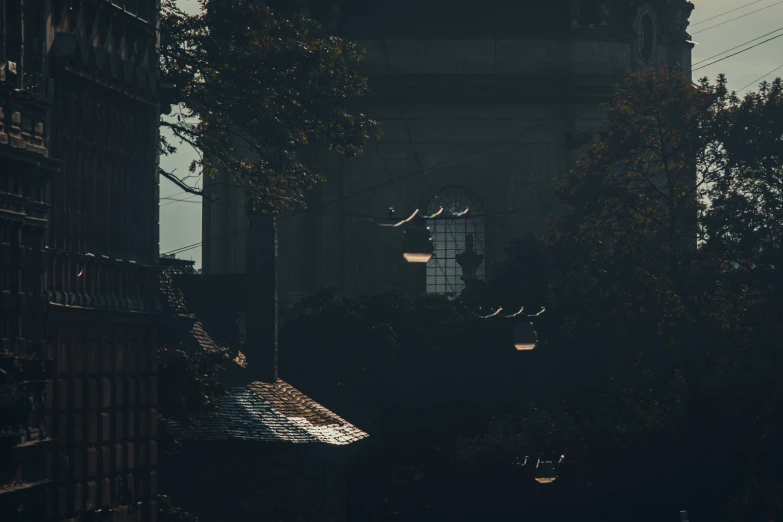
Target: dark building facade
{"points": [[103, 239], [26, 174], [272, 453], [482, 106], [83, 91]]}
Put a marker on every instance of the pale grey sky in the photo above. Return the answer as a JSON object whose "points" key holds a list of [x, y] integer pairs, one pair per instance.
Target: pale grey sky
{"points": [[180, 221]]}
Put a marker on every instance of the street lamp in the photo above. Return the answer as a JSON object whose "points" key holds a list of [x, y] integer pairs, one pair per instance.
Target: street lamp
{"points": [[417, 245], [525, 335], [546, 470]]}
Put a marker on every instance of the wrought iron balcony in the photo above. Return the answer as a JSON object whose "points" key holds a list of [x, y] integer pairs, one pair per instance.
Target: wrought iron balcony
{"points": [[36, 84]]}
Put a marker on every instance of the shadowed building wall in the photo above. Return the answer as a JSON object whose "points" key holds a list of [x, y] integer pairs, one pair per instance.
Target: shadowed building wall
{"points": [[102, 245], [487, 103]]}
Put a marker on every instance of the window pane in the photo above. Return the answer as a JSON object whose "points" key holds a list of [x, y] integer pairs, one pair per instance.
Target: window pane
{"points": [[449, 239]]}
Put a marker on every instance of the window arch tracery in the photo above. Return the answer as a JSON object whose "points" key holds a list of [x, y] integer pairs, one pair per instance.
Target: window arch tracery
{"points": [[450, 239]]}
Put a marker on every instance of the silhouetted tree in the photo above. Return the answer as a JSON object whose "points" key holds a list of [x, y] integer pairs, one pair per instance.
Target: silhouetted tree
{"points": [[254, 88], [657, 371]]}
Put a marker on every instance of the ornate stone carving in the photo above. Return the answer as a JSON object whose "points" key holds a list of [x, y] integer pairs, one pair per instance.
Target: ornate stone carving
{"points": [[680, 13], [470, 261], [575, 12], [603, 13]]}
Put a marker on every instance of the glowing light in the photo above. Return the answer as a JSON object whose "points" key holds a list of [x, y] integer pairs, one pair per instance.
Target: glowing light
{"points": [[545, 472], [525, 337], [412, 257], [417, 245]]}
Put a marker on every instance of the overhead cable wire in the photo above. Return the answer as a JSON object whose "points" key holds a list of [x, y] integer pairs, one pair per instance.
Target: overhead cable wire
{"points": [[497, 144], [725, 13], [490, 147], [457, 158], [171, 201], [737, 18], [762, 78], [738, 52], [737, 46], [183, 248], [364, 217]]}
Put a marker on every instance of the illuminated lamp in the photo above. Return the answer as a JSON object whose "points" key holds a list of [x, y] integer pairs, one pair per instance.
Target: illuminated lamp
{"points": [[546, 472], [417, 245], [525, 337]]}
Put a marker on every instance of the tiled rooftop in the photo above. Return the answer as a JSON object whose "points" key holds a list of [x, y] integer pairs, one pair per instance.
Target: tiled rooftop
{"points": [[270, 412], [175, 303], [258, 411]]}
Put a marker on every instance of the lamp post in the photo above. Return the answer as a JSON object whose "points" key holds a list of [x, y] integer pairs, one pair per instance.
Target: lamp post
{"points": [[417, 245], [525, 337]]}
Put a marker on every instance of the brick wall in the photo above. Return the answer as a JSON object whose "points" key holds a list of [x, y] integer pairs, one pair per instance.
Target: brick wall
{"points": [[103, 414]]}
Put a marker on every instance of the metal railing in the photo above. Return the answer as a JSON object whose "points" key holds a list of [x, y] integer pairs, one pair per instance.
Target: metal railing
{"points": [[35, 84]]}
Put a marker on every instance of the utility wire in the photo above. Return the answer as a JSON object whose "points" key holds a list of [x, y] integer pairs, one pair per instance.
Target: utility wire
{"points": [[738, 52], [490, 147], [183, 249], [760, 79], [395, 180], [506, 142], [737, 46], [363, 217], [737, 18], [172, 200], [725, 13]]}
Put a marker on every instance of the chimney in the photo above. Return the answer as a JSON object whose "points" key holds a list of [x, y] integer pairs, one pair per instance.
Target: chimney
{"points": [[261, 333]]}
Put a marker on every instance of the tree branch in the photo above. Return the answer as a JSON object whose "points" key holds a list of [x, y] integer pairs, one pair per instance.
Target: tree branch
{"points": [[181, 184]]}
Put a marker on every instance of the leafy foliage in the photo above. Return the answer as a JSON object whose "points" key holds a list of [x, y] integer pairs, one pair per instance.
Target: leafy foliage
{"points": [[189, 381], [745, 219], [254, 88], [167, 512], [661, 277], [657, 374]]}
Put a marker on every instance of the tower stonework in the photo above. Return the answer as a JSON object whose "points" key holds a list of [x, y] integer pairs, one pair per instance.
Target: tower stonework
{"points": [[83, 115], [491, 100]]}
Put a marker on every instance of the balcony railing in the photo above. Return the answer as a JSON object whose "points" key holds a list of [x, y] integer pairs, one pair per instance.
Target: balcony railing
{"points": [[36, 84]]}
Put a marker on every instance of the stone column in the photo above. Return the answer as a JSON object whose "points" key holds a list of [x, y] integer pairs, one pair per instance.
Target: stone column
{"points": [[261, 341]]}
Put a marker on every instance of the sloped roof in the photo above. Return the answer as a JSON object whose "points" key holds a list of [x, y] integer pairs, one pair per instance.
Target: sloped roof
{"points": [[258, 411], [267, 412], [174, 302]]}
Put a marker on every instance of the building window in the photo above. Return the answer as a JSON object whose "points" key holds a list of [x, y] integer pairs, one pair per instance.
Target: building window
{"points": [[646, 37], [450, 239]]}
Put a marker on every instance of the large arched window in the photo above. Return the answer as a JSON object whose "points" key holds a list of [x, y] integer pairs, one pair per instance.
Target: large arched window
{"points": [[450, 239]]}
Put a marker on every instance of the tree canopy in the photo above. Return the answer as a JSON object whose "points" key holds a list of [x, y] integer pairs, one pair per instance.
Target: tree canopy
{"points": [[656, 375], [253, 88]]}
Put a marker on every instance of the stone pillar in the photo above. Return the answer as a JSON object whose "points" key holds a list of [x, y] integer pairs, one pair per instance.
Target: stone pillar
{"points": [[261, 341]]}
